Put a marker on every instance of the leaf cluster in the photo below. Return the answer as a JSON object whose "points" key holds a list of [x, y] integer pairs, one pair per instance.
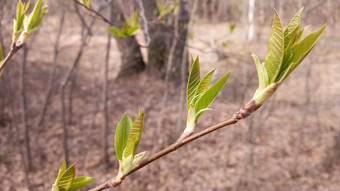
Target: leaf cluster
{"points": [[130, 27], [66, 180], [199, 95], [24, 26], [165, 9], [127, 137], [286, 50]]}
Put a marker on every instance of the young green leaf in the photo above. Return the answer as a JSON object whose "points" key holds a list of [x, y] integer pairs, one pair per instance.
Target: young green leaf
{"points": [[87, 3], [209, 96], [80, 182], [193, 81], [134, 136], [18, 22], [202, 86], [261, 73], [61, 172], [138, 158], [116, 32], [122, 134], [67, 178], [232, 27], [35, 18], [293, 28], [275, 49], [1, 53], [301, 50]]}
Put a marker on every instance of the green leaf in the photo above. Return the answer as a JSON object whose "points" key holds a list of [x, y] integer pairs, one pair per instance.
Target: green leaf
{"points": [[202, 86], [138, 158], [261, 73], [61, 172], [66, 180], [122, 134], [293, 28], [87, 3], [125, 166], [232, 27], [301, 50], [116, 32], [193, 81], [209, 96], [301, 33], [131, 31], [134, 135], [36, 16], [80, 182], [275, 49], [1, 53]]}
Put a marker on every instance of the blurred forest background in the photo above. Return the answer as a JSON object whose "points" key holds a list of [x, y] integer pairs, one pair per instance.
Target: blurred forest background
{"points": [[63, 94]]}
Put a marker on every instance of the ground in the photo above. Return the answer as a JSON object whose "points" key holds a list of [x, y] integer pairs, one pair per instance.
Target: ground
{"points": [[281, 147]]}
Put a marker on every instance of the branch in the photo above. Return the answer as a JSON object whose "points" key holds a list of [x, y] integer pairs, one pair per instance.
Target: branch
{"points": [[114, 182], [97, 14], [14, 49]]}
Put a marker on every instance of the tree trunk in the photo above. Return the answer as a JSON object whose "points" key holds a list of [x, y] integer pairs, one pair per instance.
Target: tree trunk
{"points": [[251, 13], [131, 55], [183, 25], [157, 50]]}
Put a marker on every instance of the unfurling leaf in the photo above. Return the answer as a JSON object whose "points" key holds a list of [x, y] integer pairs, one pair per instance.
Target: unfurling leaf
{"points": [[18, 22], [80, 182], [130, 27], [275, 49], [209, 96], [134, 135], [261, 73], [199, 95], [66, 179], [122, 134], [32, 22], [193, 81], [286, 51]]}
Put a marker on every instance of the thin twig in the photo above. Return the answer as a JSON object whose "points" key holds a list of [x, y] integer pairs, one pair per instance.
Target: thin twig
{"points": [[113, 182], [97, 14]]}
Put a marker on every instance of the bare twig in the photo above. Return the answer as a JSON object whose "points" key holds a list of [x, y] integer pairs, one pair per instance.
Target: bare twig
{"points": [[114, 182], [96, 13]]}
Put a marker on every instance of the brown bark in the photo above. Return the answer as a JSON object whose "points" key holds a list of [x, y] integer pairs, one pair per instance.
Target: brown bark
{"points": [[131, 55]]}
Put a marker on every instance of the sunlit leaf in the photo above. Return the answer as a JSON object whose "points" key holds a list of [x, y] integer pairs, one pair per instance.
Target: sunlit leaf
{"points": [[80, 182], [1, 53], [134, 135], [275, 49], [61, 172], [202, 86], [301, 50], [122, 134], [66, 180], [193, 81], [261, 73], [138, 158], [116, 32], [293, 28], [209, 96]]}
